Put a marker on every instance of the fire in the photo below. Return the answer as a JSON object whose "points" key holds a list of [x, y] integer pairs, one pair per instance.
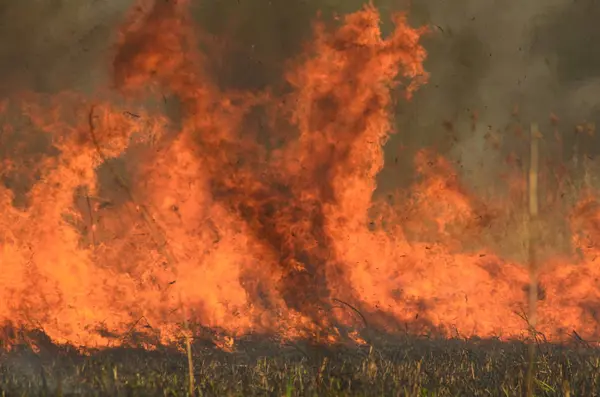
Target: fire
{"points": [[136, 222]]}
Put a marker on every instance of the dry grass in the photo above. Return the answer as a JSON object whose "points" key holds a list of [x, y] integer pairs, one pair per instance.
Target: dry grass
{"points": [[403, 366]]}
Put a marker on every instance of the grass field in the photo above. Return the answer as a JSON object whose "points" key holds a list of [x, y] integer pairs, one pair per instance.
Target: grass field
{"points": [[403, 366]]}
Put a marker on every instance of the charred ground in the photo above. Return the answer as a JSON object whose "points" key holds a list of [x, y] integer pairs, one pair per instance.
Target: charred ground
{"points": [[402, 366]]}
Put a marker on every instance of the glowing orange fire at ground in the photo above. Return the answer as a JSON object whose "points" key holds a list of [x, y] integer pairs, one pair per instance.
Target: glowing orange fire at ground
{"points": [[133, 215]]}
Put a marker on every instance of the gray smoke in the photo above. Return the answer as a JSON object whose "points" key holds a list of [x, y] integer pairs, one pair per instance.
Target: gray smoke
{"points": [[489, 56], [53, 45], [486, 56]]}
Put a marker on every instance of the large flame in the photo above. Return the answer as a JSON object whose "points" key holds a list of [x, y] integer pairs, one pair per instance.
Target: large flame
{"points": [[253, 226]]}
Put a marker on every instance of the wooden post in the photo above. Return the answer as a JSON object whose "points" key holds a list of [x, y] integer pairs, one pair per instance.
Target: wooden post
{"points": [[533, 230], [533, 222]]}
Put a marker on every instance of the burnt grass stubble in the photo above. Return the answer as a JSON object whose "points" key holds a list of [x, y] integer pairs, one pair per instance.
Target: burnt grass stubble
{"points": [[264, 366]]}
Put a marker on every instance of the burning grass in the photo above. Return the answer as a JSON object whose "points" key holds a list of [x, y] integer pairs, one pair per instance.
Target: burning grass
{"points": [[256, 213], [403, 366]]}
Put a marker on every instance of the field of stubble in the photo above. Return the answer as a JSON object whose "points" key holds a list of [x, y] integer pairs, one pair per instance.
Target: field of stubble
{"points": [[259, 366]]}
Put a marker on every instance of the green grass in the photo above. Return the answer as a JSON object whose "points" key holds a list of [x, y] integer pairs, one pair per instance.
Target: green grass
{"points": [[403, 366]]}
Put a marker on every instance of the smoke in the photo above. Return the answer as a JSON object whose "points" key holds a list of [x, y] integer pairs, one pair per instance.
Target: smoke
{"points": [[484, 55], [491, 57], [56, 45]]}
